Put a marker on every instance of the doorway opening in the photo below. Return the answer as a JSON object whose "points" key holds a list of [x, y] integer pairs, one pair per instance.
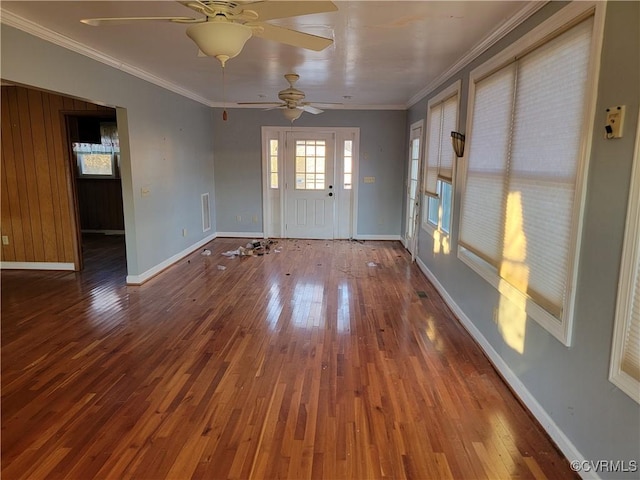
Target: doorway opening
{"points": [[94, 149]]}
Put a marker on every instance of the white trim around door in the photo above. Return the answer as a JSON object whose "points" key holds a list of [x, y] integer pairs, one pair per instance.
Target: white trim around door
{"points": [[278, 160]]}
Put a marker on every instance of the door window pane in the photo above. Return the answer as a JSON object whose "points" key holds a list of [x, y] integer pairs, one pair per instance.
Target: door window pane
{"points": [[310, 164]]}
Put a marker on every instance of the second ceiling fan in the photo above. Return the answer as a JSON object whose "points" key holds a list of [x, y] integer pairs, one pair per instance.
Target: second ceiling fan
{"points": [[292, 100], [226, 26]]}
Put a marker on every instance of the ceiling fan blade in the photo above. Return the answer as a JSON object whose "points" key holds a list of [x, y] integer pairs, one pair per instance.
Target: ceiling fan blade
{"points": [[259, 103], [310, 109], [96, 22], [273, 10], [290, 37]]}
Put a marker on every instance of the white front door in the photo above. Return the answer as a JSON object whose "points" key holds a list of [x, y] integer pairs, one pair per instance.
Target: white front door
{"points": [[310, 191]]}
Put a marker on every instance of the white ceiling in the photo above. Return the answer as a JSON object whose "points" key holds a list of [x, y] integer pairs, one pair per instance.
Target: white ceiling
{"points": [[386, 54]]}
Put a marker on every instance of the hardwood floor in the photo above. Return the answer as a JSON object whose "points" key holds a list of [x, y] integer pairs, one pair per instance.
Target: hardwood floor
{"points": [[323, 360]]}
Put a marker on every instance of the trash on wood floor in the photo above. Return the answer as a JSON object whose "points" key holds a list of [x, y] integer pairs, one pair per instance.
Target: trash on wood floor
{"points": [[253, 248]]}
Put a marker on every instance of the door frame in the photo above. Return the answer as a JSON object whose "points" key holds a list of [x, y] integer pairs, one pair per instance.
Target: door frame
{"points": [[412, 244], [72, 179], [273, 199]]}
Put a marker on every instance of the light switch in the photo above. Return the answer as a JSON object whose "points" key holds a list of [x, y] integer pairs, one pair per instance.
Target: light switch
{"points": [[369, 179], [144, 191]]}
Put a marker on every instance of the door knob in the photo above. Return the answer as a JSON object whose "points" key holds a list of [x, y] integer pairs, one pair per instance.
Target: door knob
{"points": [[331, 194], [330, 186]]}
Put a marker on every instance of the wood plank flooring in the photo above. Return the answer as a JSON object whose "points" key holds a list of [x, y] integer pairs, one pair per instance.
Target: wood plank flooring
{"points": [[321, 360]]}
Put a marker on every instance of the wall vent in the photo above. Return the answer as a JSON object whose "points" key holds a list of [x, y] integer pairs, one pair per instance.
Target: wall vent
{"points": [[206, 213]]}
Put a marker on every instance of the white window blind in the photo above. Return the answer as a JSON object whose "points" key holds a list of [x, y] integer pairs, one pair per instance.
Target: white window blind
{"points": [[630, 358], [483, 203], [625, 356], [443, 119], [524, 151], [449, 124]]}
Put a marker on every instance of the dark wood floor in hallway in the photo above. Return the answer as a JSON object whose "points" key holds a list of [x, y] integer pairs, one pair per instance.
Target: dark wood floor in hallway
{"points": [[322, 359]]}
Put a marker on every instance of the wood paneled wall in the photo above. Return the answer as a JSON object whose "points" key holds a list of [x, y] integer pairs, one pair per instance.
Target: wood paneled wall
{"points": [[38, 214]]}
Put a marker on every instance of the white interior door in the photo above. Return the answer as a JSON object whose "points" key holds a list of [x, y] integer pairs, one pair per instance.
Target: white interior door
{"points": [[310, 191], [413, 200]]}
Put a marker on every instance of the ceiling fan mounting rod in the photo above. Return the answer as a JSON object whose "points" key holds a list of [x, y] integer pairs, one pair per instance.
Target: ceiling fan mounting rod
{"points": [[216, 8]]}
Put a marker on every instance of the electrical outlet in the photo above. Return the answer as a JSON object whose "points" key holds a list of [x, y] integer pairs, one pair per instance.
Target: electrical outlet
{"points": [[615, 121], [255, 219], [5, 240], [184, 232], [238, 218], [144, 191], [369, 179]]}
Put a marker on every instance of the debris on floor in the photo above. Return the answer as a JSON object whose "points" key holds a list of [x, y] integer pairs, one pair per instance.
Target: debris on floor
{"points": [[221, 267], [372, 264], [253, 248], [206, 252]]}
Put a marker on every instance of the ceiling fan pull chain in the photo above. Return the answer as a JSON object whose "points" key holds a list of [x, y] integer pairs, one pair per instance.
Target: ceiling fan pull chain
{"points": [[224, 96]]}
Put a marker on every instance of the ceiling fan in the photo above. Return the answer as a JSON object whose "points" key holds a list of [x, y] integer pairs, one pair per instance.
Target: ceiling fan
{"points": [[226, 26], [292, 104]]}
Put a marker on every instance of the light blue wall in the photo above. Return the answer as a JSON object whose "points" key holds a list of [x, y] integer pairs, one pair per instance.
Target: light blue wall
{"points": [[238, 170], [170, 149], [571, 383], [175, 143]]}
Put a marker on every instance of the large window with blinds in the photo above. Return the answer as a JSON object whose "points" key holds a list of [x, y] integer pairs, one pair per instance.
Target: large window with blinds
{"points": [[526, 149], [442, 119], [625, 354]]}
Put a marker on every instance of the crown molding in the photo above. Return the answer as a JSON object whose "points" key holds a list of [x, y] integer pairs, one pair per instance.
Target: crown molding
{"points": [[27, 26], [316, 104], [506, 27]]}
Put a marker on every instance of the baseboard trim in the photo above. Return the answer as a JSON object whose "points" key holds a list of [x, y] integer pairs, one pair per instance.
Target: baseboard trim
{"points": [[258, 235], [152, 272], [378, 237], [565, 445], [37, 266], [105, 232], [255, 235]]}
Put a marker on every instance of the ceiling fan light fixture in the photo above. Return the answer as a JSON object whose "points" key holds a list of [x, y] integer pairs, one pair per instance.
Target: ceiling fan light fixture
{"points": [[292, 114], [221, 39]]}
